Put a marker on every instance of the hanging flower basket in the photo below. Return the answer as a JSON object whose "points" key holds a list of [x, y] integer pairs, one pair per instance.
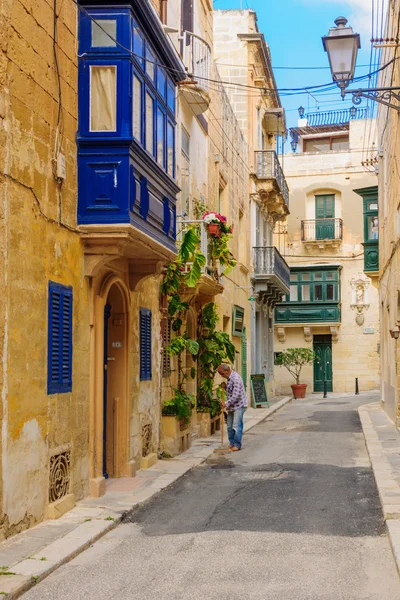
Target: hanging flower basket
{"points": [[214, 229]]}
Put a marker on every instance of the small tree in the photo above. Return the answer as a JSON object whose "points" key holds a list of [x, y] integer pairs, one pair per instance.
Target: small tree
{"points": [[294, 359]]}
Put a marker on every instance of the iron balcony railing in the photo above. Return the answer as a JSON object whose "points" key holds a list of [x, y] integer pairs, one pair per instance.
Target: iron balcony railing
{"points": [[321, 229], [268, 167], [197, 59], [268, 261], [336, 117]]}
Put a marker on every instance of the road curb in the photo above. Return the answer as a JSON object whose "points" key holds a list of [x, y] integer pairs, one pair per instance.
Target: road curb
{"points": [[388, 487], [27, 573]]}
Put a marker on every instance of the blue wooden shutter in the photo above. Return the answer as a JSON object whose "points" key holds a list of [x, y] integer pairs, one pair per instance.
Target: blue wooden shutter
{"points": [[145, 344], [59, 375]]}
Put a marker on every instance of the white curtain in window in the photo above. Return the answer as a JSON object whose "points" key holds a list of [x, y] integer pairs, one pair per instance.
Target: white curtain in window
{"points": [[103, 98]]}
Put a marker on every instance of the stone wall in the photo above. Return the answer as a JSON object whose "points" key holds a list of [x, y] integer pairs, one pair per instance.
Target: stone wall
{"points": [[39, 243]]}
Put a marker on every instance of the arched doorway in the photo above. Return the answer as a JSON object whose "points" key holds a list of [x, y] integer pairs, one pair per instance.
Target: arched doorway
{"points": [[114, 382]]}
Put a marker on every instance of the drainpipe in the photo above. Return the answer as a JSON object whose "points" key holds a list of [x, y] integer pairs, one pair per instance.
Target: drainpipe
{"points": [[163, 11]]}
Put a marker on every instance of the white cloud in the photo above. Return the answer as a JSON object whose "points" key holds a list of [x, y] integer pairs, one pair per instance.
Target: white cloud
{"points": [[359, 14]]}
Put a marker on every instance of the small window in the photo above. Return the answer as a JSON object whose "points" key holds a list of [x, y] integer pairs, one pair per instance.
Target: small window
{"points": [[170, 149], [305, 293], [171, 97], [330, 291], [103, 30], [138, 44], [160, 137], [238, 320], [318, 277], [149, 123], [305, 277], [294, 277], [137, 108], [59, 369], [150, 64], [373, 227], [340, 143], [318, 292], [294, 294], [330, 275], [145, 344], [161, 81], [103, 98], [185, 143], [372, 206]]}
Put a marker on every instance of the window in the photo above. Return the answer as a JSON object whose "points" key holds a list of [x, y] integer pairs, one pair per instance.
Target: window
{"points": [[160, 137], [238, 320], [314, 286], [149, 123], [103, 98], [325, 144], [161, 81], [59, 369], [137, 108], [150, 64], [102, 32], [145, 344], [171, 97], [170, 149], [138, 44]]}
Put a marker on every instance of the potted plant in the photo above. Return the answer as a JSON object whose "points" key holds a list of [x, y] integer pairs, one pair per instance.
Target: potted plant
{"points": [[294, 360], [216, 224]]}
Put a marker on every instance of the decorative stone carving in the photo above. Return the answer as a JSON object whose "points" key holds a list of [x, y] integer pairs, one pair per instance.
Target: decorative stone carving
{"points": [[60, 475], [308, 334], [359, 299], [281, 334], [147, 435], [334, 333]]}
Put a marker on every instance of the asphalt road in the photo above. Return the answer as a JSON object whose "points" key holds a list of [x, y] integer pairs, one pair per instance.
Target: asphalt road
{"points": [[294, 516]]}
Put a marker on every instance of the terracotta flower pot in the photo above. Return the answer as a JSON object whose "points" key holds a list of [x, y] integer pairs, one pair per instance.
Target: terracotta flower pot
{"points": [[299, 390], [214, 229]]}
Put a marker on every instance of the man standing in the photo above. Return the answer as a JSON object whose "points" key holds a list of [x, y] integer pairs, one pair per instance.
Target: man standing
{"points": [[236, 404]]}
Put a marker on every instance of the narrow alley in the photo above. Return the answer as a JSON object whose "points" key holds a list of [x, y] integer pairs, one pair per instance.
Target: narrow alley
{"points": [[294, 516]]}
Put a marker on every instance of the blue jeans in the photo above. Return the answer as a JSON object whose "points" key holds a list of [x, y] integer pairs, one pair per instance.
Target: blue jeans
{"points": [[235, 427]]}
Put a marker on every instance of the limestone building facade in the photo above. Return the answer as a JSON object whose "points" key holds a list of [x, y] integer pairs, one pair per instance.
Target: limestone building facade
{"points": [[332, 249], [244, 61]]}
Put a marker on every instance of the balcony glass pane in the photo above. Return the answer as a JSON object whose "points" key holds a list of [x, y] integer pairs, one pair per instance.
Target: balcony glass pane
{"points": [[372, 206], [160, 137], [170, 149], [305, 277], [138, 44], [103, 98], [330, 275], [318, 292], [102, 32], [330, 291], [373, 228], [340, 143], [149, 124], [318, 277], [318, 145], [137, 108], [161, 81], [294, 277], [150, 66], [294, 294], [305, 293]]}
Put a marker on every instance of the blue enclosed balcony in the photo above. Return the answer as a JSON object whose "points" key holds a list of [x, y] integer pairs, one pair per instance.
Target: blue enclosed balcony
{"points": [[128, 71]]}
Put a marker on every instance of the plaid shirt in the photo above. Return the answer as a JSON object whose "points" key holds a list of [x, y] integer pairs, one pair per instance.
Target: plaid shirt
{"points": [[235, 392]]}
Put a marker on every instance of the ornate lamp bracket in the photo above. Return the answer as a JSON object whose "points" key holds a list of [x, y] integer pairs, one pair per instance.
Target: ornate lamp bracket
{"points": [[359, 292], [383, 95]]}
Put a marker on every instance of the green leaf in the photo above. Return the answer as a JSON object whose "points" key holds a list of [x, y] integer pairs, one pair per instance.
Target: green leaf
{"points": [[193, 373], [192, 347], [176, 325]]}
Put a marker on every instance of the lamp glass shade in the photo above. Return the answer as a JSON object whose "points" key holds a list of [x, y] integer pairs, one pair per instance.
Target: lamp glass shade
{"points": [[293, 145], [301, 112], [353, 112], [342, 46]]}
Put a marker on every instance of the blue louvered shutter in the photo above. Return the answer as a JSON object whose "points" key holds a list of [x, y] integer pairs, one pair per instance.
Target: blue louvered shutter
{"points": [[59, 377], [145, 344]]}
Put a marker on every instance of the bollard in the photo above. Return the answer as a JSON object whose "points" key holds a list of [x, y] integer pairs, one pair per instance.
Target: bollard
{"points": [[357, 390], [325, 389]]}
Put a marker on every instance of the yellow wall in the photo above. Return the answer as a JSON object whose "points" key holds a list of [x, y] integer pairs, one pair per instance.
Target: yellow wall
{"points": [[39, 243]]}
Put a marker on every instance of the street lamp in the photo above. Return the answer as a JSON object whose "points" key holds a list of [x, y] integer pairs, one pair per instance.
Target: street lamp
{"points": [[395, 332], [301, 112], [342, 45], [293, 145], [353, 112]]}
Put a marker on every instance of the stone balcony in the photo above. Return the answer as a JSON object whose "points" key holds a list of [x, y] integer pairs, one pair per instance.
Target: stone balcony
{"points": [[196, 56], [271, 277], [271, 183], [322, 233]]}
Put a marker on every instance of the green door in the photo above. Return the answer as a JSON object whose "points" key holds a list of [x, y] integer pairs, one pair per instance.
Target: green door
{"points": [[244, 357], [325, 217], [323, 364]]}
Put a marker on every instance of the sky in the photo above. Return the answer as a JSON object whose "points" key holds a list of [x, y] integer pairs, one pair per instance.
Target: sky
{"points": [[293, 31]]}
